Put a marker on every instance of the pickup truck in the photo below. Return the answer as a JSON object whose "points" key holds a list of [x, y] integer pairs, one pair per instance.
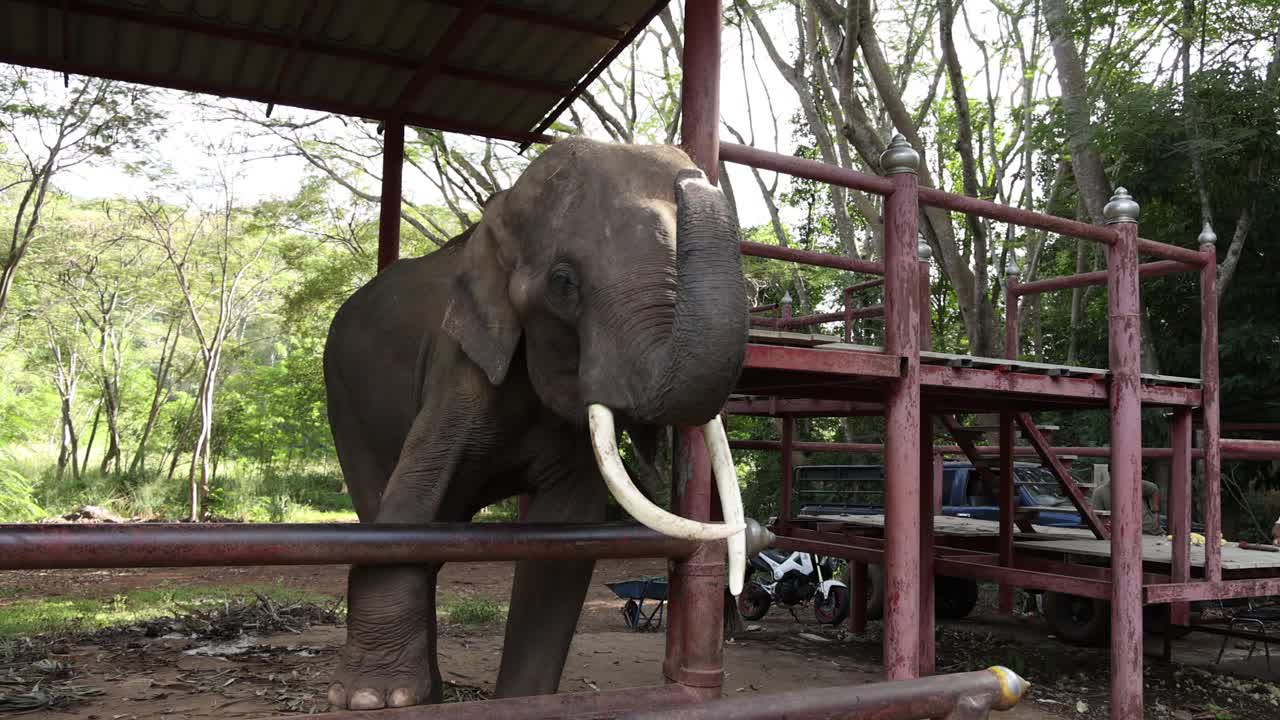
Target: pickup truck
{"points": [[820, 490], [859, 490]]}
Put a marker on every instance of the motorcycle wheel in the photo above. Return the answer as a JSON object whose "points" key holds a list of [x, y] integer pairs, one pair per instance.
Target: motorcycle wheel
{"points": [[833, 608], [754, 601]]}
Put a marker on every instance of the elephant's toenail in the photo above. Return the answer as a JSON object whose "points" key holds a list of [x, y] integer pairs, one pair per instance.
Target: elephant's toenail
{"points": [[338, 696], [366, 699], [402, 697]]}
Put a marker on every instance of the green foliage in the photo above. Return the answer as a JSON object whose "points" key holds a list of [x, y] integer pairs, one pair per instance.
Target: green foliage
{"points": [[473, 610]]}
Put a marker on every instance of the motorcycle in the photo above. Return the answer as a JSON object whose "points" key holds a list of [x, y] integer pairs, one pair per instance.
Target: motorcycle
{"points": [[792, 579]]}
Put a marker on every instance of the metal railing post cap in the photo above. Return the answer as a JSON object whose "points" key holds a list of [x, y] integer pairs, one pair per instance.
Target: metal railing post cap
{"points": [[924, 251], [899, 157], [1208, 238], [1012, 687], [1122, 208], [786, 298], [1011, 269]]}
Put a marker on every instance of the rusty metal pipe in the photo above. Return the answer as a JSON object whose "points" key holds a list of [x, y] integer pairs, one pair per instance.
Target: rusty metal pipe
{"points": [[1067, 282], [48, 546], [1017, 216], [933, 697], [808, 257], [802, 168]]}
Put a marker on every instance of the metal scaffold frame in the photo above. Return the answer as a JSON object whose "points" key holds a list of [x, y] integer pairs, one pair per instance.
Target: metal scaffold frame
{"points": [[904, 381]]}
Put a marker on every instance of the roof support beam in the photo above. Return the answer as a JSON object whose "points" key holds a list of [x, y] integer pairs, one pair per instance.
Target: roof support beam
{"points": [[287, 63], [533, 17], [297, 43], [170, 81], [430, 67]]}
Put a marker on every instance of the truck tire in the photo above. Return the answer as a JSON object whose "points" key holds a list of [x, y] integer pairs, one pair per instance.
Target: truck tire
{"points": [[875, 592], [954, 598], [1077, 620]]}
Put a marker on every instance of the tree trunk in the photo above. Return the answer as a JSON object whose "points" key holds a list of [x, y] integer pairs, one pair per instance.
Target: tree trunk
{"points": [[93, 433], [158, 397]]}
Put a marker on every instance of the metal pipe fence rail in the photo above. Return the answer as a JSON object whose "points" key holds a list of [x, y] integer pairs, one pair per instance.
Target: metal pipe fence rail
{"points": [[53, 546]]}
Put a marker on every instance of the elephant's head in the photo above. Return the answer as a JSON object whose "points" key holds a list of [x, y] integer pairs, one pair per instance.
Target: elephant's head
{"points": [[619, 267]]}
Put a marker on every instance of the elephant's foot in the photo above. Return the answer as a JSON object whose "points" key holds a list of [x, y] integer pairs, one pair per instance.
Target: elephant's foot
{"points": [[374, 678], [390, 656]]}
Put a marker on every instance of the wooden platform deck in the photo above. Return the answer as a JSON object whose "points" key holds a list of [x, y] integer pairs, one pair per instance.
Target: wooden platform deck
{"points": [[1071, 541], [789, 364]]}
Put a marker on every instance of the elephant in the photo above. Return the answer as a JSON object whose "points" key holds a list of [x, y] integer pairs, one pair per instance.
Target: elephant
{"points": [[605, 283]]}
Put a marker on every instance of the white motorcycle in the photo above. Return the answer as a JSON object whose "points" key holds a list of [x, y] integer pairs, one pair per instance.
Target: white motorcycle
{"points": [[792, 579]]}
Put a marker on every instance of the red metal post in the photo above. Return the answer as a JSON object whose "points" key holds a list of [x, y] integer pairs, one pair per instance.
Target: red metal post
{"points": [[695, 630], [1180, 507], [1126, 459], [700, 86], [788, 472], [926, 298], [1005, 500], [927, 499], [902, 416], [1209, 408], [1011, 344], [389, 203]]}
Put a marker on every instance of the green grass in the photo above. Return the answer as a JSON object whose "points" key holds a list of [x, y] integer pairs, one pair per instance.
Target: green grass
{"points": [[471, 610], [24, 618]]}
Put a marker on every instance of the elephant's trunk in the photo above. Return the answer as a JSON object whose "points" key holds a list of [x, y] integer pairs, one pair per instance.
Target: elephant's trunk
{"points": [[704, 354]]}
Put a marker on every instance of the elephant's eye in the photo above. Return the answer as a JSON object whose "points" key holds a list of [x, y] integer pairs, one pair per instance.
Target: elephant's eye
{"points": [[563, 282]]}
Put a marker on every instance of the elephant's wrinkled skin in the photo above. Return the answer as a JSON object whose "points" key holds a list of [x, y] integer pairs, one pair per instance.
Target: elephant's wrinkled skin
{"points": [[462, 377]]}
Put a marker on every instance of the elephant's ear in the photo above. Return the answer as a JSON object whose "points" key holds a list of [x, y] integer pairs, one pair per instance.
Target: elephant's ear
{"points": [[480, 316]]}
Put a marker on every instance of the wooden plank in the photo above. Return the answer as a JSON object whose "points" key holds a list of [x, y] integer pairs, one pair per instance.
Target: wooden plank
{"points": [[1157, 549], [782, 337]]}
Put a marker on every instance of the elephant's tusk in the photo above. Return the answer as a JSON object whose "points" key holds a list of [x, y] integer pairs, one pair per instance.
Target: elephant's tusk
{"points": [[726, 476], [604, 443]]}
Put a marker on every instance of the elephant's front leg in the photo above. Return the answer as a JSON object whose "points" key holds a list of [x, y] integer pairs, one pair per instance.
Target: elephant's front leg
{"points": [[547, 596], [390, 656]]}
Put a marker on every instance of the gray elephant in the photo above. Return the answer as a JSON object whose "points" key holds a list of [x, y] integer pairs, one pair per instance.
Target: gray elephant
{"points": [[606, 282]]}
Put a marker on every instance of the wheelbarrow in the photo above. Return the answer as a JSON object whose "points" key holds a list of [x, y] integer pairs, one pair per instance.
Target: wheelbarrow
{"points": [[636, 592]]}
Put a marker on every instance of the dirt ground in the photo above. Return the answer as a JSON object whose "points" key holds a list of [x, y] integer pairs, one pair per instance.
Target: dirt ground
{"points": [[154, 672]]}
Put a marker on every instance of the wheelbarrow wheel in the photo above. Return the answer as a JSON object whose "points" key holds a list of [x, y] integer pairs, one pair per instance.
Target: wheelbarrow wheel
{"points": [[631, 614]]}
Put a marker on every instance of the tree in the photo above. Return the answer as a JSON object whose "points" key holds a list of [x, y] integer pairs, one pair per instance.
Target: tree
{"points": [[53, 131], [213, 255]]}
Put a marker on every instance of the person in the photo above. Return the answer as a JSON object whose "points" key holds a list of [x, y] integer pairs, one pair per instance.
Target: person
{"points": [[1101, 500]]}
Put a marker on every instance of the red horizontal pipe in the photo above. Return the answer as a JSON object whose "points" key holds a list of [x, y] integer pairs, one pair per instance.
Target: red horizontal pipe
{"points": [[1242, 449], [788, 406], [808, 257], [870, 311], [936, 696], [1171, 252], [1232, 449], [1026, 218], [48, 546], [800, 167], [1202, 590], [608, 703], [1066, 282], [865, 284]]}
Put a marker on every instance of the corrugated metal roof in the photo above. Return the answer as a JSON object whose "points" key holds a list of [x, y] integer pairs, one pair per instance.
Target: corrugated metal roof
{"points": [[499, 69]]}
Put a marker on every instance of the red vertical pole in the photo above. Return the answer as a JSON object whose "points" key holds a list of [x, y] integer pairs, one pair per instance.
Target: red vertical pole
{"points": [[1209, 404], [788, 472], [937, 483], [1180, 507], [902, 416], [695, 630], [1126, 458], [700, 86], [1011, 340], [1005, 501], [1005, 492], [389, 203], [522, 507], [926, 298], [927, 499]]}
